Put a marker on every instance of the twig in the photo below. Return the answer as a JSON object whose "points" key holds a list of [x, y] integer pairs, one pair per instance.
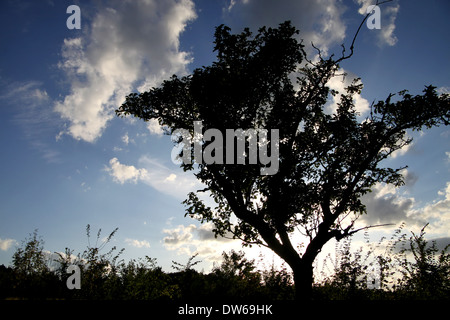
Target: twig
{"points": [[357, 32], [368, 227]]}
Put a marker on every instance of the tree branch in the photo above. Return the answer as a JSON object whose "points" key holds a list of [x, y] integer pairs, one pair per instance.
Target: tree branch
{"points": [[369, 227], [357, 32]]}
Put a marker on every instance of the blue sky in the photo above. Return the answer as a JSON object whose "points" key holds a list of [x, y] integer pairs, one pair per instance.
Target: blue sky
{"points": [[67, 161]]}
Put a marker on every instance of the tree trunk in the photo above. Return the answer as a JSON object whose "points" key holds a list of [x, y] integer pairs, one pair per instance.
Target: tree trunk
{"points": [[303, 281]]}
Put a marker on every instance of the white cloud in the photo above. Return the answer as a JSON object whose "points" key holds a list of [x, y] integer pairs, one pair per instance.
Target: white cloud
{"points": [[178, 235], [126, 139], [122, 173], [176, 183], [6, 244], [387, 30], [193, 239], [156, 175], [127, 43], [138, 243], [154, 127], [171, 177], [364, 5], [438, 213]]}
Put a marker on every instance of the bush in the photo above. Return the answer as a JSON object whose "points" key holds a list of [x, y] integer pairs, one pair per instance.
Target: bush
{"points": [[399, 269], [428, 275]]}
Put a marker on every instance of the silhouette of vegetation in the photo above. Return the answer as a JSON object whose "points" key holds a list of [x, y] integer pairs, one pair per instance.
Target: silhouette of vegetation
{"points": [[428, 276], [401, 269], [30, 275], [327, 162]]}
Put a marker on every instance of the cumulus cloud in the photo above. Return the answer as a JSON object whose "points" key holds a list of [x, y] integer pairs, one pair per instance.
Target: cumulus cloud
{"points": [[437, 213], [178, 235], [138, 243], [156, 175], [387, 30], [174, 182], [123, 173], [386, 204], [389, 204], [129, 43], [154, 127], [6, 244], [193, 239], [171, 177]]}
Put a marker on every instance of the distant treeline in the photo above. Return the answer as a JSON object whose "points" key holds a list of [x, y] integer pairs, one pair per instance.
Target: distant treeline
{"points": [[405, 269]]}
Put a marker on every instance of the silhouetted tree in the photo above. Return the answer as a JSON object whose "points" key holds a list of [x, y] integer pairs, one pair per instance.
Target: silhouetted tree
{"points": [[144, 280], [326, 161], [31, 274], [428, 275], [236, 276]]}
